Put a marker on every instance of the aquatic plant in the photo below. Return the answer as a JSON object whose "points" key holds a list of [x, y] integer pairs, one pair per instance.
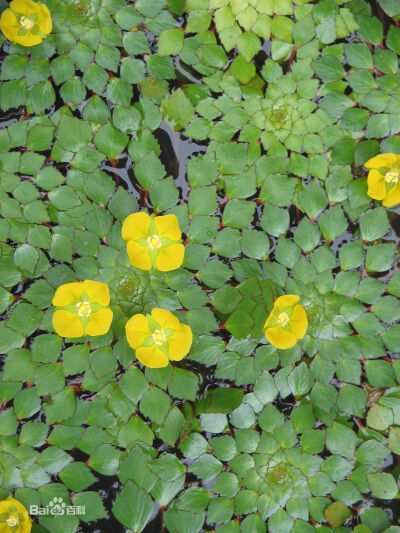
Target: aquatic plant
{"points": [[199, 279]]}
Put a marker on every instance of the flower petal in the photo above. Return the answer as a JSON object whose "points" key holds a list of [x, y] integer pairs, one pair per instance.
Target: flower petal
{"points": [[68, 293], [9, 24], [269, 319], [298, 322], [170, 257], [98, 292], [99, 322], [25, 7], [67, 324], [29, 39], [165, 318], [139, 255], [376, 185], [44, 20], [393, 197], [11, 505], [280, 338], [152, 357], [136, 226], [137, 330], [180, 342], [381, 160], [287, 300], [168, 227]]}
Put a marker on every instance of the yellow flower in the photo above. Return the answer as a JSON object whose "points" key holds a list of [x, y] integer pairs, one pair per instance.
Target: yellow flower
{"points": [[26, 22], [83, 309], [287, 322], [158, 338], [153, 241], [14, 518], [384, 178]]}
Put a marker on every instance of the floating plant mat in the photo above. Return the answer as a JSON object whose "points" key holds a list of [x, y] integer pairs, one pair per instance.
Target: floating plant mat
{"points": [[248, 123]]}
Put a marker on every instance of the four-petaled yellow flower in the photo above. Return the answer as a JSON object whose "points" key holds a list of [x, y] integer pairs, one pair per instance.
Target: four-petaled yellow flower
{"points": [[14, 518], [26, 22], [153, 242], [384, 178], [287, 322], [82, 309], [158, 338]]}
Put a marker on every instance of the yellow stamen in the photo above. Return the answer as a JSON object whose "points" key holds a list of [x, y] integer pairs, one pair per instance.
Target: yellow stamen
{"points": [[26, 23], [84, 309], [154, 242], [159, 337], [283, 319], [12, 521], [392, 176]]}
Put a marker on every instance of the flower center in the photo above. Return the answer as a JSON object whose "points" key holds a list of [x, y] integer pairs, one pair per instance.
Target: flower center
{"points": [[12, 521], [159, 337], [392, 176], [84, 309], [154, 241], [26, 23], [283, 319]]}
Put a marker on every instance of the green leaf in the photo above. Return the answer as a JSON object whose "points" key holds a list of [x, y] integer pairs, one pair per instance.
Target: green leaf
{"points": [[332, 223], [248, 45], [383, 486], [183, 384], [390, 7], [300, 380], [243, 70], [168, 467], [177, 109], [393, 39], [155, 404], [110, 141], [26, 257], [313, 199], [358, 55], [8, 422], [105, 460], [394, 440], [183, 521], [221, 400], [380, 257], [275, 220], [170, 42], [10, 339], [133, 507], [337, 513], [54, 459], [149, 169], [73, 134], [238, 213], [251, 311], [379, 417], [135, 430], [163, 194], [341, 440], [60, 407], [94, 508], [77, 476], [351, 255]]}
